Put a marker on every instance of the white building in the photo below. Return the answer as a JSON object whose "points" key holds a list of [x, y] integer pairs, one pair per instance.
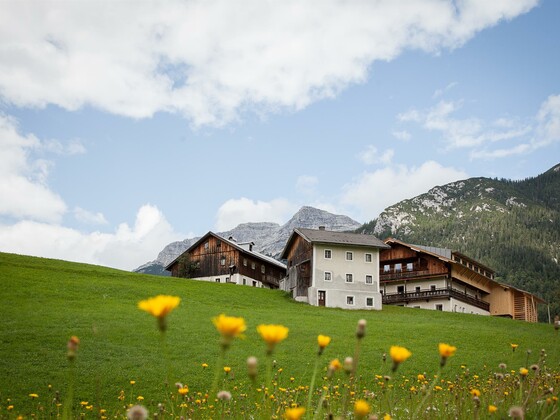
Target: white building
{"points": [[333, 269]]}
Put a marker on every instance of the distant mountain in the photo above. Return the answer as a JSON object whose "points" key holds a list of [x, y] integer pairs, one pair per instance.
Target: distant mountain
{"points": [[269, 238], [510, 226]]}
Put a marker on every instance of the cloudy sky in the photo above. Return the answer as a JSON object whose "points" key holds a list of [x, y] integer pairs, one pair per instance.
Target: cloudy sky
{"points": [[125, 125]]}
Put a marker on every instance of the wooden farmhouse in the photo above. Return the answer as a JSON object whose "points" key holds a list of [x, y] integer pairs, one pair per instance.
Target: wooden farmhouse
{"points": [[333, 269], [213, 258], [437, 278]]}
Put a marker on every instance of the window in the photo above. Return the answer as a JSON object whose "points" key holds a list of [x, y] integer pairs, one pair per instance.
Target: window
{"points": [[350, 300], [369, 279], [206, 245], [263, 269], [432, 287], [328, 276], [398, 267], [368, 257], [227, 279], [409, 267], [439, 307], [223, 260], [217, 280], [218, 243], [244, 262], [244, 281], [418, 288], [400, 289], [386, 268], [349, 278], [369, 301], [349, 256], [253, 265], [254, 283], [328, 254]]}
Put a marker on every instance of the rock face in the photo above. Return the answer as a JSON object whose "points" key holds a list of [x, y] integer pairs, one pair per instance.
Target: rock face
{"points": [[269, 238]]}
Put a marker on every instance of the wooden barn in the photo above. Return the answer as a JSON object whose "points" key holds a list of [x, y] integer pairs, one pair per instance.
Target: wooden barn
{"points": [[221, 260]]}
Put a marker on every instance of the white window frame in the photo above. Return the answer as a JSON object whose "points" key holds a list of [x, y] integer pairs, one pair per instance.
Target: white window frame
{"points": [[351, 278], [372, 302], [370, 257], [325, 276], [440, 305], [371, 278], [325, 254], [353, 300], [349, 254]]}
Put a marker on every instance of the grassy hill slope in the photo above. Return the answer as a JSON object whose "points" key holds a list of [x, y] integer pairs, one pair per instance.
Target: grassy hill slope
{"points": [[45, 301]]}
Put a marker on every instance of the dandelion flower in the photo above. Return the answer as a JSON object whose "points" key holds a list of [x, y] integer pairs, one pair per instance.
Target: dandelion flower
{"points": [[492, 409], [159, 307], [204, 365], [272, 334], [229, 327], [323, 341], [361, 409], [523, 371], [295, 413], [137, 412], [252, 364], [140, 398], [516, 412], [514, 346], [224, 395], [227, 369], [475, 392], [445, 351], [184, 390], [361, 329], [34, 395], [398, 355]]}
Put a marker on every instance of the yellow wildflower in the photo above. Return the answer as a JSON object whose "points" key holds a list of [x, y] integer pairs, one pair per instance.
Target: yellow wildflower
{"points": [[421, 377], [205, 365], [229, 327], [387, 416], [159, 307], [10, 407], [84, 403], [398, 355], [132, 382], [323, 341], [227, 369], [445, 351], [492, 409], [34, 395], [361, 409], [140, 398], [475, 392], [272, 334], [523, 371], [514, 346], [184, 390], [335, 365], [294, 413]]}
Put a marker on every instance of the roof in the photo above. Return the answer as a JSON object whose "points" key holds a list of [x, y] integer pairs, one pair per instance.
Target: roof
{"points": [[242, 247], [443, 252], [336, 238]]}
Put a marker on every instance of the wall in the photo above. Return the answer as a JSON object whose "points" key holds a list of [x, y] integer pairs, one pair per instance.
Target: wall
{"points": [[337, 289]]}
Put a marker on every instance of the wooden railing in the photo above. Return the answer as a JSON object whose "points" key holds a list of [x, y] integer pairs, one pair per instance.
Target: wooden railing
{"points": [[405, 274], [395, 298]]}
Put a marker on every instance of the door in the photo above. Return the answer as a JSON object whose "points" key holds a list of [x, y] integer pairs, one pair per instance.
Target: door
{"points": [[322, 298]]}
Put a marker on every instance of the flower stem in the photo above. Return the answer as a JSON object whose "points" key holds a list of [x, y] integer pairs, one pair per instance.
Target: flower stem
{"points": [[312, 385]]}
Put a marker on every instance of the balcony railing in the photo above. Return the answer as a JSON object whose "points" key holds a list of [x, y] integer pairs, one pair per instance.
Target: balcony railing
{"points": [[385, 276], [395, 298]]}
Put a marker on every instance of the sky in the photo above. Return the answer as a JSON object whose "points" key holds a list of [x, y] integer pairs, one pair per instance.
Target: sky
{"points": [[126, 125]]}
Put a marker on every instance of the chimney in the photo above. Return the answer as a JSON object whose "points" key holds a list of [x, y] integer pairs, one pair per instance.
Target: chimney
{"points": [[321, 227]]}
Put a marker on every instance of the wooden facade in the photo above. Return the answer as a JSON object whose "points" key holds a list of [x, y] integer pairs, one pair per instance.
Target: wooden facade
{"points": [[299, 257], [412, 275], [218, 259]]}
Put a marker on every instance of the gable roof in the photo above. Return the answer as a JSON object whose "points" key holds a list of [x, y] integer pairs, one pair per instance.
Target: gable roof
{"points": [[336, 238], [241, 247]]}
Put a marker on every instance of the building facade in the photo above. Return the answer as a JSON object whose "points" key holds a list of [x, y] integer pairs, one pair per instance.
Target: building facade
{"points": [[221, 260], [440, 279], [333, 269]]}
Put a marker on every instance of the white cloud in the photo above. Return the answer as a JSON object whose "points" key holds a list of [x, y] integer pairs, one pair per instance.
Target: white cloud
{"points": [[372, 192], [371, 156], [440, 92], [210, 60], [305, 184], [23, 191], [402, 135], [126, 248], [88, 217], [243, 210]]}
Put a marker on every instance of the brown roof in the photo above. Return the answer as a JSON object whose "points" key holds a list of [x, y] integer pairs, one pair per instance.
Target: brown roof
{"points": [[337, 238]]}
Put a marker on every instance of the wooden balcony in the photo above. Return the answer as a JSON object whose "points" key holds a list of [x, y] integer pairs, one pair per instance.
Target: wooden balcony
{"points": [[396, 298], [386, 277]]}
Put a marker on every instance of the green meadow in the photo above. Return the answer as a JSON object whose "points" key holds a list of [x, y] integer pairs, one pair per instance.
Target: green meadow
{"points": [[44, 302]]}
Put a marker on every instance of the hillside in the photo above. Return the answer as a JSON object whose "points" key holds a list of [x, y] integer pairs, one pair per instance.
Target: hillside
{"points": [[269, 238], [44, 302], [511, 226]]}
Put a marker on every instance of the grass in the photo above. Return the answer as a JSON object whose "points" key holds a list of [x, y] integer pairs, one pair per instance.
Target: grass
{"points": [[44, 302]]}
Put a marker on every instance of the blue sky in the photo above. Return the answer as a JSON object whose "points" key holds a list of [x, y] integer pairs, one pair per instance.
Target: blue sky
{"points": [[127, 125]]}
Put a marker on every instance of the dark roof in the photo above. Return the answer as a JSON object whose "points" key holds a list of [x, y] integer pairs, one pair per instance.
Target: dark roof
{"points": [[337, 238], [239, 246]]}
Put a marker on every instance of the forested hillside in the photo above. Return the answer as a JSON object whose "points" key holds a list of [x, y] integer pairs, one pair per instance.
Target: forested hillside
{"points": [[511, 226]]}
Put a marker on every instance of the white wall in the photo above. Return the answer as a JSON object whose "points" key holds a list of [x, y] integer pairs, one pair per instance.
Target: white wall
{"points": [[449, 305], [338, 289], [235, 279]]}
